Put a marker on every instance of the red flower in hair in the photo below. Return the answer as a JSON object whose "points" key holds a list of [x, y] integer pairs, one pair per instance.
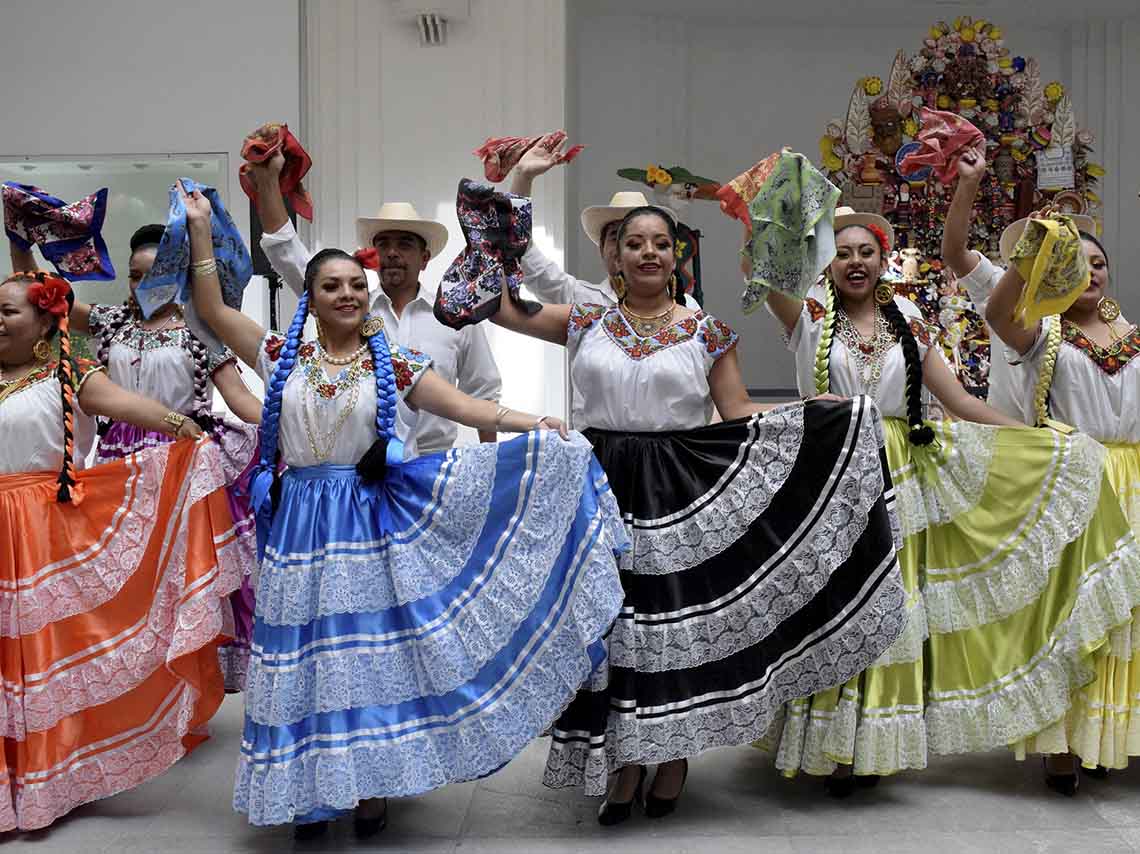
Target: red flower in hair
{"points": [[880, 236], [49, 294], [369, 258]]}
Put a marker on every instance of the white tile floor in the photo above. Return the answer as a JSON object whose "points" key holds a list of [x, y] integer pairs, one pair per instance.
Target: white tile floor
{"points": [[734, 802]]}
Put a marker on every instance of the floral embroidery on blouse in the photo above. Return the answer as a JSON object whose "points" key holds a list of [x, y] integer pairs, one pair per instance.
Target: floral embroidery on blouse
{"points": [[1109, 359], [408, 365], [922, 332], [82, 369], [132, 335], [816, 309], [718, 337], [582, 317], [273, 346]]}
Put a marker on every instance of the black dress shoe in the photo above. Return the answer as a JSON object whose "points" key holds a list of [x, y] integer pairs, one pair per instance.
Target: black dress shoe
{"points": [[656, 807], [1097, 773], [615, 812], [840, 787], [312, 830], [1062, 784], [366, 828], [866, 781]]}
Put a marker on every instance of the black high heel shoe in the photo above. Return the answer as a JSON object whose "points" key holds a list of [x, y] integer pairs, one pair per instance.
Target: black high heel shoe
{"points": [[656, 807], [309, 832], [1062, 784], [840, 787], [1097, 773], [613, 812], [366, 828]]}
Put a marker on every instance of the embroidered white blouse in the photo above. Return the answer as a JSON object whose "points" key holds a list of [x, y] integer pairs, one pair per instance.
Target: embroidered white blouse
{"points": [[31, 422], [337, 415], [643, 384], [890, 395]]}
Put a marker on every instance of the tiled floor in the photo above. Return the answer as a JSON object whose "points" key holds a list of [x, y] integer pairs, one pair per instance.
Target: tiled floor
{"points": [[734, 802]]}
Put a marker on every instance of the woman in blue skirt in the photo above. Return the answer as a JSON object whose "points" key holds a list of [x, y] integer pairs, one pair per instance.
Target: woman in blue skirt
{"points": [[418, 621]]}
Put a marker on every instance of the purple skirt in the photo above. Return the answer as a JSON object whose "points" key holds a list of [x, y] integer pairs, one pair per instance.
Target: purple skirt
{"points": [[123, 439]]}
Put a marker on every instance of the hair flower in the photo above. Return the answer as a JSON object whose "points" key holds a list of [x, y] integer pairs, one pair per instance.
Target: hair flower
{"points": [[49, 294]]}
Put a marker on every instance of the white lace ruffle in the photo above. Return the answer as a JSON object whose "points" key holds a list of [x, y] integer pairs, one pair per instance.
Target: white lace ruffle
{"points": [[425, 557], [726, 510], [1023, 572], [472, 747], [1028, 702], [743, 617], [909, 647], [961, 476]]}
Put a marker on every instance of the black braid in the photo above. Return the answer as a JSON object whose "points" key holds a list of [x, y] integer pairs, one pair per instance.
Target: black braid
{"points": [[203, 399], [920, 432], [124, 314]]}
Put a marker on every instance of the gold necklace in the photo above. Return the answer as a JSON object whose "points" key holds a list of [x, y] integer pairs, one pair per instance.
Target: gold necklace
{"points": [[340, 361], [647, 325], [10, 387], [868, 353]]}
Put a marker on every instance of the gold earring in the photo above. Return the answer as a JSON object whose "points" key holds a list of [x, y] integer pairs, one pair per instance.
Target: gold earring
{"points": [[618, 282], [1108, 309], [884, 292], [672, 286], [41, 351], [320, 331], [371, 326]]}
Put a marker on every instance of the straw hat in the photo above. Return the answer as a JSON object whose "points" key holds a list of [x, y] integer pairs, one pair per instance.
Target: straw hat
{"points": [[1014, 230], [401, 216], [845, 216], [596, 217]]}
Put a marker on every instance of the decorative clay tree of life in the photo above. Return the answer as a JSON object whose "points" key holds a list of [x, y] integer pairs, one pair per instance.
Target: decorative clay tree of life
{"points": [[1036, 155]]}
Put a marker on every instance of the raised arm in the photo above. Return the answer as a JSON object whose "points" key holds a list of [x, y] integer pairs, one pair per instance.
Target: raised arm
{"points": [[956, 233], [227, 380], [279, 240], [241, 334], [24, 260], [999, 313], [937, 377], [435, 395], [548, 324], [99, 396], [786, 309]]}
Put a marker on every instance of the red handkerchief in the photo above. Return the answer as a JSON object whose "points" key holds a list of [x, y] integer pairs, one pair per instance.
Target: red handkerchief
{"points": [[500, 153], [261, 145], [944, 136]]}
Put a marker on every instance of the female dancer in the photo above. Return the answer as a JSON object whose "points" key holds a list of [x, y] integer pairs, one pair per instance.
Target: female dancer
{"points": [[1009, 558], [418, 621], [1080, 368], [115, 578], [763, 562], [162, 359]]}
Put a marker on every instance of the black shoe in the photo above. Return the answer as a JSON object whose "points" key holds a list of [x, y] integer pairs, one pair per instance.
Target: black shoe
{"points": [[1062, 784], [656, 807], [1097, 773], [867, 781], [840, 787], [366, 828], [612, 812], [312, 830]]}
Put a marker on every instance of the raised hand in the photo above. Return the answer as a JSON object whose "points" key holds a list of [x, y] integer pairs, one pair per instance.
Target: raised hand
{"points": [[197, 206], [972, 164]]}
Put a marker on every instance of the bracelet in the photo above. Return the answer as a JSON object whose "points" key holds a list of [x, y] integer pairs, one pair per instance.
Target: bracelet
{"points": [[175, 420], [538, 423], [501, 413], [204, 268]]}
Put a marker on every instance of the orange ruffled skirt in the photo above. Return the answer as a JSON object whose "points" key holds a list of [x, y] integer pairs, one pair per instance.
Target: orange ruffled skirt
{"points": [[111, 612]]}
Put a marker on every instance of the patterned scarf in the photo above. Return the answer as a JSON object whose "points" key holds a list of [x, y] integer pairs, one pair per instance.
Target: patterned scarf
{"points": [[497, 227], [1051, 259], [788, 209], [500, 153], [69, 235], [260, 146], [169, 279], [942, 140]]}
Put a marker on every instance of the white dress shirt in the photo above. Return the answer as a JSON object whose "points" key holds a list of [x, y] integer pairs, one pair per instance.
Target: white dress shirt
{"points": [[462, 357]]}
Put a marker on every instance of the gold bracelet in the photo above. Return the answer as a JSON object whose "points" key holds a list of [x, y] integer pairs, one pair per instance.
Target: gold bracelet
{"points": [[501, 413], [175, 420], [204, 268]]}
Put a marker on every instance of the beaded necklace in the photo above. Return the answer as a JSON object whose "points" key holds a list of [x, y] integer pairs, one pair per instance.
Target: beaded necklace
{"points": [[868, 353]]}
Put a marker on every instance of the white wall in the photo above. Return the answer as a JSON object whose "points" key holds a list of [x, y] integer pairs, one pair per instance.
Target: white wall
{"points": [[389, 120], [130, 77], [716, 92]]}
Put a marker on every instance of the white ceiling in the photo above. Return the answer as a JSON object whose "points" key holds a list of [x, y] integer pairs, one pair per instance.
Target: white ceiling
{"points": [[866, 13]]}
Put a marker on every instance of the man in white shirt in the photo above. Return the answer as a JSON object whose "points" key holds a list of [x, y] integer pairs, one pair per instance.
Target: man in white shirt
{"points": [[404, 243]]}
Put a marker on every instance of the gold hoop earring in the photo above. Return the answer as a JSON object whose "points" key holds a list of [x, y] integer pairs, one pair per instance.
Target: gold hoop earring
{"points": [[1108, 309], [320, 330], [41, 350], [673, 286], [371, 326], [618, 282], [884, 292]]}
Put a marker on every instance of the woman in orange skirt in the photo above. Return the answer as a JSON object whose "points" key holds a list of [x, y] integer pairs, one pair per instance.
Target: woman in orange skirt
{"points": [[113, 580]]}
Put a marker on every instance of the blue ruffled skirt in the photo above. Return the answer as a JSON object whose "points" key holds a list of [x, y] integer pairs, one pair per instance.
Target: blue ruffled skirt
{"points": [[422, 631]]}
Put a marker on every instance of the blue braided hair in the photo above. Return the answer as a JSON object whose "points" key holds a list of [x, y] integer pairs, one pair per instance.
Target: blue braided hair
{"points": [[387, 448]]}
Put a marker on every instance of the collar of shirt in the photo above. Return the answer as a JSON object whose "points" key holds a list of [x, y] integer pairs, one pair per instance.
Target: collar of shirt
{"points": [[381, 301]]}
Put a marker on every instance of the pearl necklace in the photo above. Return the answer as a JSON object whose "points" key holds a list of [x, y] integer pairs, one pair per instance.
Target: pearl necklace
{"points": [[340, 361]]}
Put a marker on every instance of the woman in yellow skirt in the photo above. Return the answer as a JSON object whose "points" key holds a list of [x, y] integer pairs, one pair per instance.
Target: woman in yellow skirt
{"points": [[1017, 559], [1081, 368]]}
